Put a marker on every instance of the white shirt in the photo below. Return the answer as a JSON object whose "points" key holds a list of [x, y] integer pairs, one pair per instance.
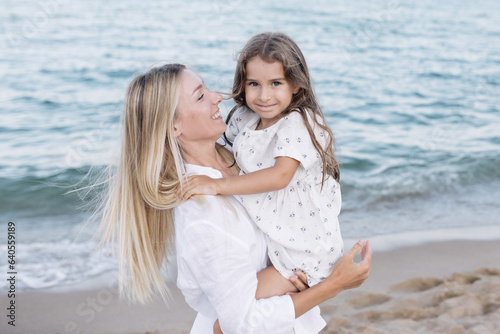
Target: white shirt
{"points": [[219, 252]]}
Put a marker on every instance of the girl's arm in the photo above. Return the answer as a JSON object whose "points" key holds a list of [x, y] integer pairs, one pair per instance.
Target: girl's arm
{"points": [[265, 180]]}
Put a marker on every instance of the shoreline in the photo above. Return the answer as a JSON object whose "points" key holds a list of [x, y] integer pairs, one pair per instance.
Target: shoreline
{"points": [[383, 242], [395, 241], [99, 310]]}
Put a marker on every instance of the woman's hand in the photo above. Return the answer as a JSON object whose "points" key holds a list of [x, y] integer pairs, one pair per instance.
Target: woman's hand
{"points": [[348, 274], [345, 275], [197, 185]]}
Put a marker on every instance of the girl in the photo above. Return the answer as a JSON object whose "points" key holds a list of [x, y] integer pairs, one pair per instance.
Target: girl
{"points": [[289, 175]]}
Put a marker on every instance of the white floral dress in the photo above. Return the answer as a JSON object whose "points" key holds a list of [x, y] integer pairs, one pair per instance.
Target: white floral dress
{"points": [[300, 221]]}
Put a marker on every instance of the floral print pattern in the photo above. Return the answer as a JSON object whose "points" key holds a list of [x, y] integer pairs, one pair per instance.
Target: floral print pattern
{"points": [[300, 221]]}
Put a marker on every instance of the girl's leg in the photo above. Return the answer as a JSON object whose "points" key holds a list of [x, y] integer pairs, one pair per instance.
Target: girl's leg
{"points": [[272, 283]]}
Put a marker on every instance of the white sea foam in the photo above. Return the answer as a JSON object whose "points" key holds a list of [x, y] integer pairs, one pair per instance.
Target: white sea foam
{"points": [[63, 266], [53, 264], [388, 242]]}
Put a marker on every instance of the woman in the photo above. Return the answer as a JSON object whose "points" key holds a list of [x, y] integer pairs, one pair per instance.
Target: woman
{"points": [[170, 127]]}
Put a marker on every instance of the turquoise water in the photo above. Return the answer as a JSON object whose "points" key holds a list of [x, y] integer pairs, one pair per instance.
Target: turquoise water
{"points": [[411, 91]]}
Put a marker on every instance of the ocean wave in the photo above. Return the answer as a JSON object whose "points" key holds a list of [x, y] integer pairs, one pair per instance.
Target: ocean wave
{"points": [[357, 164], [440, 75], [33, 195], [365, 177], [413, 178], [439, 104], [52, 264]]}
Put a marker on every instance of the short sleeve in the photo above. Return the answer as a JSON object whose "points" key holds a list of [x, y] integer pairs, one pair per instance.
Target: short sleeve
{"points": [[238, 121], [219, 263], [294, 141]]}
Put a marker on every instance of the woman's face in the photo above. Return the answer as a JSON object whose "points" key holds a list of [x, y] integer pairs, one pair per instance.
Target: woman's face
{"points": [[199, 116]]}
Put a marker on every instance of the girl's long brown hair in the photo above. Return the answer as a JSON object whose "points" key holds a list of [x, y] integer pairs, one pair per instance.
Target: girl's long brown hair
{"points": [[272, 47]]}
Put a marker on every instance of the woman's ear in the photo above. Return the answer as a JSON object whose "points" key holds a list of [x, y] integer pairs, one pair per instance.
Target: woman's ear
{"points": [[177, 129], [296, 89]]}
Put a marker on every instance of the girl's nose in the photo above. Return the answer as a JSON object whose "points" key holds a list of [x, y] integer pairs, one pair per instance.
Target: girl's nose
{"points": [[264, 94]]}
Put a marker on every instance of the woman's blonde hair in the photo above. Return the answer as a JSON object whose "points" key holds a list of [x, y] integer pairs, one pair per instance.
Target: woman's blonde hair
{"points": [[138, 209], [277, 46]]}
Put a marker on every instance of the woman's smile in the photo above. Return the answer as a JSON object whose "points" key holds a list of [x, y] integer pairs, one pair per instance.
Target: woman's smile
{"points": [[196, 102], [217, 115]]}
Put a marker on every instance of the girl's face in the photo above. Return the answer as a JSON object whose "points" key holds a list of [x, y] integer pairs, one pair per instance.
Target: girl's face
{"points": [[267, 92], [199, 115]]}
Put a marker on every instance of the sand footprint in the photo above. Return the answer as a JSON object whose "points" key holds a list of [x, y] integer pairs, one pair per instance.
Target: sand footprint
{"points": [[416, 285], [488, 271], [368, 300], [448, 293], [463, 278]]}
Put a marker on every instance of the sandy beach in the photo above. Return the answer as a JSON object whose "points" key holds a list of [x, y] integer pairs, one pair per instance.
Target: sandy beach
{"points": [[439, 287]]}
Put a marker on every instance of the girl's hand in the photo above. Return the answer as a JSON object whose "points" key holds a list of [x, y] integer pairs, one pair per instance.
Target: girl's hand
{"points": [[300, 281], [197, 185], [348, 274]]}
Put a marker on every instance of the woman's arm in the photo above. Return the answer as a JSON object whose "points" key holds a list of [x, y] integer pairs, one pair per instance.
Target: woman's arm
{"points": [[265, 180], [217, 260], [213, 256], [345, 275], [272, 283], [231, 284]]}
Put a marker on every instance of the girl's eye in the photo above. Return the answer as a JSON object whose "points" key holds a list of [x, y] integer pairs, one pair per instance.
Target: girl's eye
{"points": [[201, 97], [253, 84], [276, 83]]}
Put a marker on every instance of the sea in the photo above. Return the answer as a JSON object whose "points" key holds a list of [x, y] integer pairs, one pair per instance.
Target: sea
{"points": [[411, 90]]}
